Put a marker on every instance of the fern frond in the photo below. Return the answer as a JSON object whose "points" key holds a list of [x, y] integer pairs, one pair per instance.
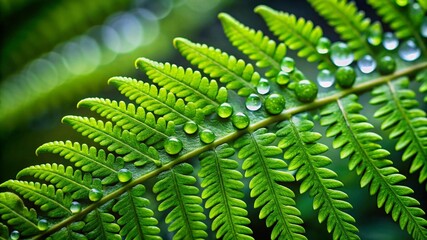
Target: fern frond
{"points": [[122, 142], [136, 219], [422, 77], [159, 101], [298, 34], [4, 232], [222, 190], [76, 183], [266, 52], [50, 200], [276, 201], [235, 73], [303, 151], [185, 83], [97, 163], [353, 134], [71, 231], [407, 123], [176, 191], [17, 216], [348, 22], [99, 224]]}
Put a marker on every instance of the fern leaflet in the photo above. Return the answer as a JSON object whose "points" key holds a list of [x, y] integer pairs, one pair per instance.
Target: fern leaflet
{"points": [[101, 225]]}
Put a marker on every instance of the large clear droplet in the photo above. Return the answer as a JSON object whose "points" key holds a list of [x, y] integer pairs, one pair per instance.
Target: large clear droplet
{"points": [[416, 14], [42, 225], [190, 127], [95, 195], [14, 235], [75, 207], [124, 175], [263, 86], [173, 145], [367, 64], [390, 41], [409, 51], [375, 34], [253, 102], [240, 120], [402, 3], [224, 110], [325, 78], [341, 54], [288, 64], [423, 28], [275, 103], [282, 78], [207, 136], [323, 45]]}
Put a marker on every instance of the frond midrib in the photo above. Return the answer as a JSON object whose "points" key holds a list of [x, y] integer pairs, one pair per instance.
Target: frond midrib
{"points": [[23, 218], [134, 211]]}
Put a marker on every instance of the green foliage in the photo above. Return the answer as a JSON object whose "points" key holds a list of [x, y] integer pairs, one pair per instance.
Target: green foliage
{"points": [[198, 171]]}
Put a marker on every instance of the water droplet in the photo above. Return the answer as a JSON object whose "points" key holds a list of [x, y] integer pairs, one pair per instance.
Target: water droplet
{"points": [[345, 76], [402, 3], [423, 27], [287, 65], [367, 64], [240, 120], [409, 51], [125, 175], [390, 41], [190, 127], [42, 225], [325, 78], [341, 54], [224, 110], [75, 207], [386, 65], [275, 103], [323, 45], [207, 136], [306, 91], [253, 102], [416, 14], [14, 235], [375, 34], [173, 145], [282, 78], [263, 86], [95, 195]]}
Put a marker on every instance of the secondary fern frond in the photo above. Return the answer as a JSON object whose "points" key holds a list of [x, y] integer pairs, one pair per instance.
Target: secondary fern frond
{"points": [[235, 73], [353, 135], [222, 191], [276, 201], [185, 83], [408, 123], [100, 224], [350, 23], [266, 52], [176, 191], [298, 34], [71, 231], [303, 151]]}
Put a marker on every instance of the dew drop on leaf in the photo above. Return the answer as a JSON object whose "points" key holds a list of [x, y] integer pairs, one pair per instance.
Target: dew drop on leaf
{"points": [[409, 51], [224, 110], [306, 90], [240, 120], [323, 45], [375, 34], [325, 78], [386, 65], [390, 41], [253, 102], [275, 103], [367, 64], [95, 195], [345, 76], [173, 145], [341, 54], [263, 86], [207, 136], [14, 235], [75, 207], [287, 65], [124, 175], [282, 78], [190, 127], [42, 225], [423, 28]]}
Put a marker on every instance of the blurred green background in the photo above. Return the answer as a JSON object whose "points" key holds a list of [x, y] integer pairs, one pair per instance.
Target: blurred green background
{"points": [[56, 52]]}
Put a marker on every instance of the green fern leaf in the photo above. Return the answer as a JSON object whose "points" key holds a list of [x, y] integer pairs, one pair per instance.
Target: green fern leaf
{"points": [[50, 200], [75, 183], [407, 123], [101, 225], [123, 143], [70, 232], [4, 232], [266, 52], [303, 151], [158, 101], [276, 200], [298, 34], [176, 191], [352, 134], [143, 124], [185, 83], [235, 73], [97, 163], [222, 191], [17, 216], [136, 219], [422, 77]]}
